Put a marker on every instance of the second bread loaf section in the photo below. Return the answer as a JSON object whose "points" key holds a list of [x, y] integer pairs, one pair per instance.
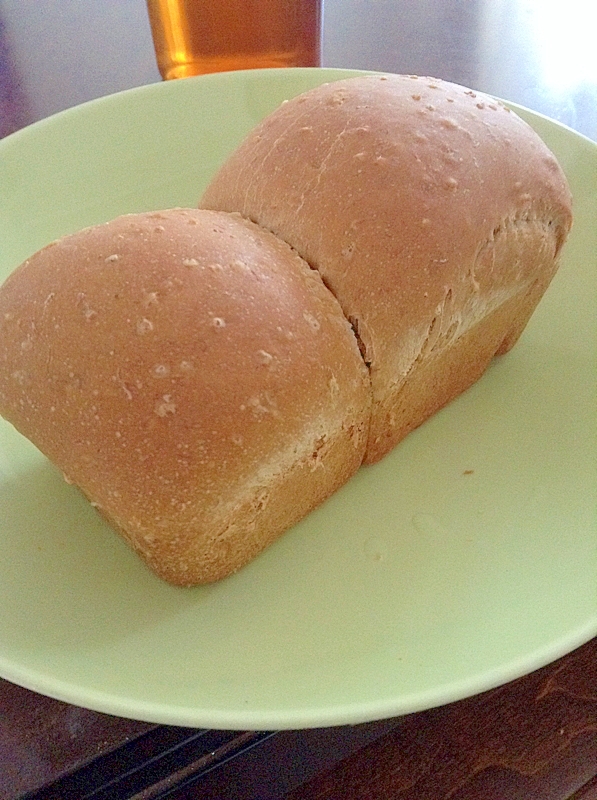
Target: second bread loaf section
{"points": [[433, 213]]}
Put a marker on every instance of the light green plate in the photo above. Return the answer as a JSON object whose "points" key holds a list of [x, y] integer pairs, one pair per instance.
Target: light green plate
{"points": [[466, 558]]}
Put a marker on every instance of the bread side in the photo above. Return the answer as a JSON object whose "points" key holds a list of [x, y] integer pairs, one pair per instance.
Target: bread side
{"points": [[428, 209], [192, 375]]}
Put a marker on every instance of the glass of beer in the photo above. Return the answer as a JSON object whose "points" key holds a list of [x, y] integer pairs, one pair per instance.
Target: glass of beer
{"points": [[192, 37]]}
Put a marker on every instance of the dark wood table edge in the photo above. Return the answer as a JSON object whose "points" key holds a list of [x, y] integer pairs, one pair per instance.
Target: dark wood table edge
{"points": [[555, 708]]}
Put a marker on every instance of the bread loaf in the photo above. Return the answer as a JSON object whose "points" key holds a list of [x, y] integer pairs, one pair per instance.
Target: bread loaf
{"points": [[192, 376], [207, 377], [433, 213]]}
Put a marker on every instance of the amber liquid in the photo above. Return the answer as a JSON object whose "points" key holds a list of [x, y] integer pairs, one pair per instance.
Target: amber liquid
{"points": [[192, 37]]}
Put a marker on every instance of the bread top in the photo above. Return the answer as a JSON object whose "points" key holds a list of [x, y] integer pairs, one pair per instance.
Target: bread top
{"points": [[395, 189], [168, 362]]}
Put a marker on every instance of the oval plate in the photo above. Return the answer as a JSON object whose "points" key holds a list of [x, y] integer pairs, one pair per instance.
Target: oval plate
{"points": [[466, 558]]}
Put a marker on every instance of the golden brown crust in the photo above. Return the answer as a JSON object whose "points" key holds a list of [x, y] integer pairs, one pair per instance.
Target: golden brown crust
{"points": [[202, 383], [424, 206], [192, 375]]}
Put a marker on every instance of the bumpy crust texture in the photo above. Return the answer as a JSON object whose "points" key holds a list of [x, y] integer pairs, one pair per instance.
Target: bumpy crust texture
{"points": [[433, 213], [208, 378], [192, 375]]}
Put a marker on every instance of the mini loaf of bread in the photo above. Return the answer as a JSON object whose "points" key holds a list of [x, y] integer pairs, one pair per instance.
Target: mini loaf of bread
{"points": [[192, 376], [207, 377], [434, 214]]}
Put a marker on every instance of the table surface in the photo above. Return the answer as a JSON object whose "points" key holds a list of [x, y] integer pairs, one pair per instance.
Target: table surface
{"points": [[535, 737]]}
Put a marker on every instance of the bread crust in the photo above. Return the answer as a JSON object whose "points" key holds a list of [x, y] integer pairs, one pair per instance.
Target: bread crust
{"points": [[425, 207], [209, 376], [192, 376]]}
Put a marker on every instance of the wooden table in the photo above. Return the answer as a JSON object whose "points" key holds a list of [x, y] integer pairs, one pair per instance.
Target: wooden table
{"points": [[533, 739]]}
